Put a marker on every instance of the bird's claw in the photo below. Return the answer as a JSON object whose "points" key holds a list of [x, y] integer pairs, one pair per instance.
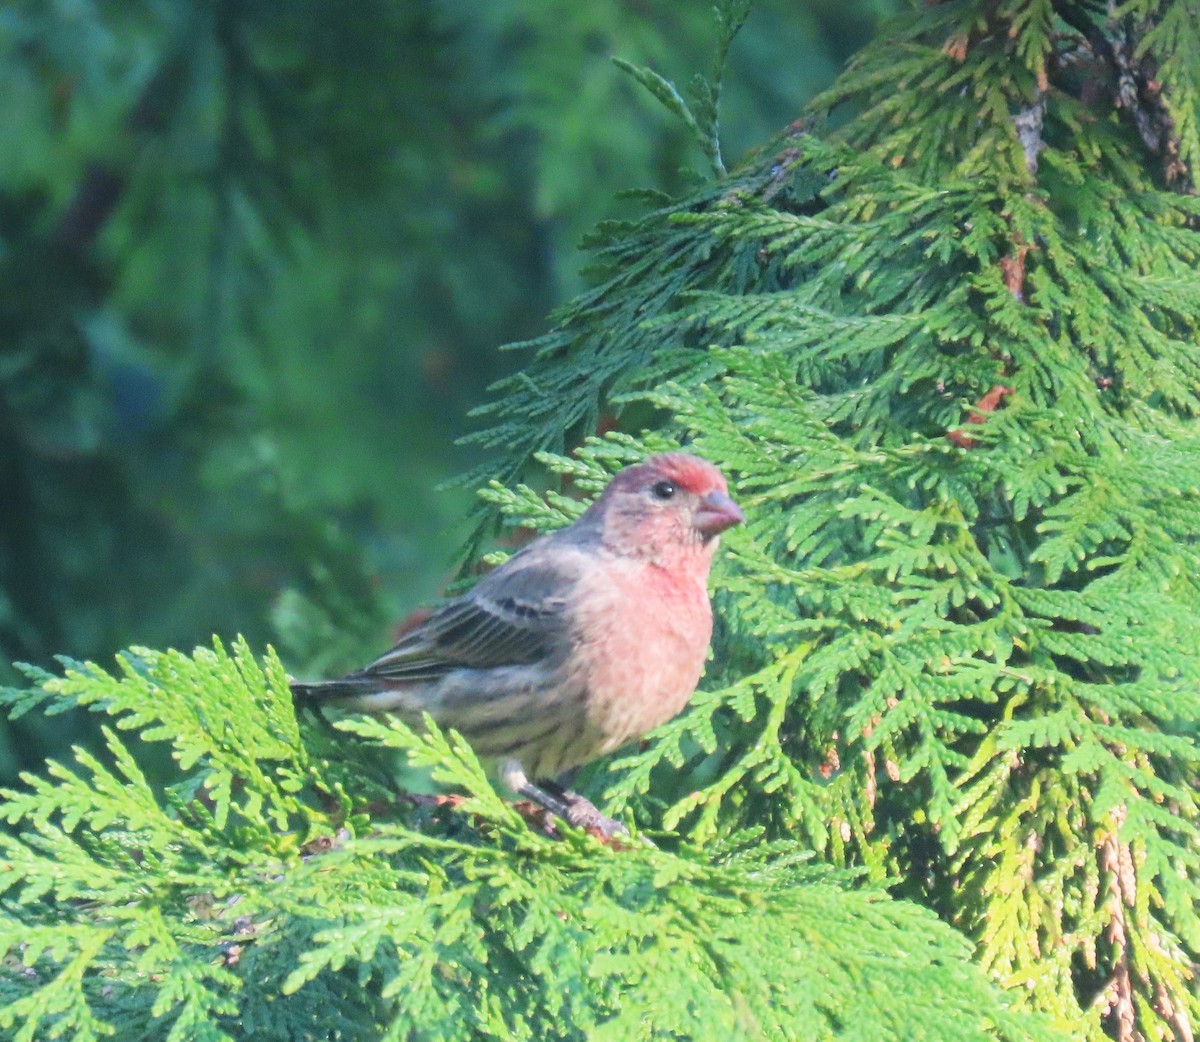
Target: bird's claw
{"points": [[582, 813], [573, 809]]}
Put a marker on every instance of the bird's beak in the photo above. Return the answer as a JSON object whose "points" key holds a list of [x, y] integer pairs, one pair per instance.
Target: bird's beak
{"points": [[716, 513]]}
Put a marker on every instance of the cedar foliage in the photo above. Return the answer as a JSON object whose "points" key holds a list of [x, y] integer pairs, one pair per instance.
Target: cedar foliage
{"points": [[259, 896], [943, 335], [947, 343], [247, 251]]}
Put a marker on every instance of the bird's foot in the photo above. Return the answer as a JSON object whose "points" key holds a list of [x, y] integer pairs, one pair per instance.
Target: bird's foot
{"points": [[573, 809], [582, 813]]}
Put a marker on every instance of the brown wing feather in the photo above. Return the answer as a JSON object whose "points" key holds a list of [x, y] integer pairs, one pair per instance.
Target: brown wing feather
{"points": [[512, 619]]}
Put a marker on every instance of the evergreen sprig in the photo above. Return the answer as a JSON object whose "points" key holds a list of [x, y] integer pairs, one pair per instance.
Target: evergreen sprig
{"points": [[947, 348], [944, 342], [247, 897]]}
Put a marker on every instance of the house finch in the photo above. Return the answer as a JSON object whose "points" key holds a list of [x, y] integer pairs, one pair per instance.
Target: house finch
{"points": [[587, 638]]}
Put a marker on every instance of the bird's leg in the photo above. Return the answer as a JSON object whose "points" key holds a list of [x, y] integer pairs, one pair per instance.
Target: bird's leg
{"points": [[512, 773], [581, 812], [561, 802], [557, 806]]}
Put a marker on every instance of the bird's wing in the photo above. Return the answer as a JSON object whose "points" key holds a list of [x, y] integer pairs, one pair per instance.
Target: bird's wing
{"points": [[514, 617]]}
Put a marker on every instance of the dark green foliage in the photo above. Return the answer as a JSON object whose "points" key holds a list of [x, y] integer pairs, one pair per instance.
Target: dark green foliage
{"points": [[256, 898], [255, 259], [948, 349], [942, 335]]}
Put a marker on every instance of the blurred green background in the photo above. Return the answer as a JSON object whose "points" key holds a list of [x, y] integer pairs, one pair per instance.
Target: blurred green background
{"points": [[256, 261]]}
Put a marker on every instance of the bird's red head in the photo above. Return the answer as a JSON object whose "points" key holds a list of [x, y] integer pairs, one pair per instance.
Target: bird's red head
{"points": [[673, 502]]}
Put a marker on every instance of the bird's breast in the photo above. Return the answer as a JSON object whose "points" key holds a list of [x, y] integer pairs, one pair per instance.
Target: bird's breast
{"points": [[643, 637]]}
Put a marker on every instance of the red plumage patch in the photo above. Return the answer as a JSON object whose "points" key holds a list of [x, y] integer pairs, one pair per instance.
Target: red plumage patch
{"points": [[690, 473]]}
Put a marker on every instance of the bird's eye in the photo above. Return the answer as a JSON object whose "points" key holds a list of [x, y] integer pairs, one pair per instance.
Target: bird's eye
{"points": [[663, 490]]}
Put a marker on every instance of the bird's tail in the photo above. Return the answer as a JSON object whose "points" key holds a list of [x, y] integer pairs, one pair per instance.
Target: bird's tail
{"points": [[365, 693], [326, 691]]}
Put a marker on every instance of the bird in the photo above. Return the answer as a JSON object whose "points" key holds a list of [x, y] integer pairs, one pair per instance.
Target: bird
{"points": [[584, 640]]}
